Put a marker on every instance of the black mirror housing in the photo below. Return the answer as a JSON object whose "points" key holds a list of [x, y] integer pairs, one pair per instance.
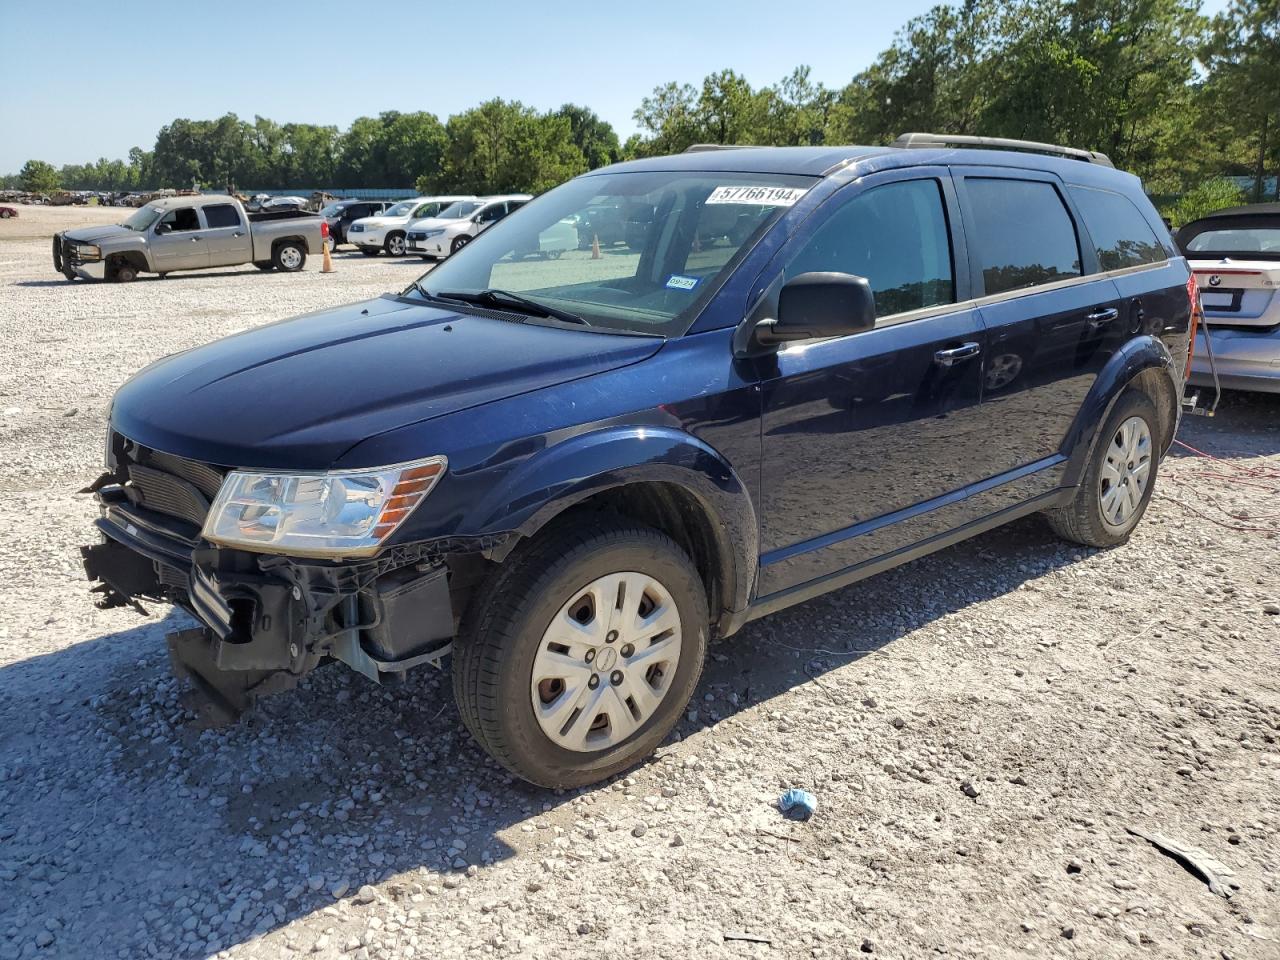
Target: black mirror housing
{"points": [[815, 306]]}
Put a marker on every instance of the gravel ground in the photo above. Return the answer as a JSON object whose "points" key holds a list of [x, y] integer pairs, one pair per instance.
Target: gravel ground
{"points": [[979, 727]]}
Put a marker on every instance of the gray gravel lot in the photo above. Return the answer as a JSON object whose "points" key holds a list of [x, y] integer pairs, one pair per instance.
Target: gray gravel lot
{"points": [[979, 727]]}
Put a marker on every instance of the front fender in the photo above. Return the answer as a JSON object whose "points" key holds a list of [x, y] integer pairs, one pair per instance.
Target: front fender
{"points": [[1138, 355], [570, 472]]}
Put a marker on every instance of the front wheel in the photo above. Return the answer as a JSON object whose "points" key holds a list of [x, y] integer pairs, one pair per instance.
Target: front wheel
{"points": [[459, 243], [395, 245], [582, 653], [1119, 480]]}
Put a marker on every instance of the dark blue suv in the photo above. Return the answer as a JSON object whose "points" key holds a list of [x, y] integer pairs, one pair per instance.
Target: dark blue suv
{"points": [[570, 464]]}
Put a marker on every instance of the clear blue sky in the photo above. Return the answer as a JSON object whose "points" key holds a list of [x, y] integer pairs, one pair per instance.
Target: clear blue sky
{"points": [[84, 80]]}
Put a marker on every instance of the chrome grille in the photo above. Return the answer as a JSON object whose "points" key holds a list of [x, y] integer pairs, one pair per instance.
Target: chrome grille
{"points": [[167, 484]]}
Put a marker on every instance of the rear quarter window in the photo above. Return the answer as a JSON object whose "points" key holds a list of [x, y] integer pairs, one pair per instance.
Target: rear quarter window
{"points": [[1120, 233], [221, 215], [1022, 233]]}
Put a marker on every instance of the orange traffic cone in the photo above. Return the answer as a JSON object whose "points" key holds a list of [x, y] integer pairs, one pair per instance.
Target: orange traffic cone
{"points": [[327, 266], [595, 247]]}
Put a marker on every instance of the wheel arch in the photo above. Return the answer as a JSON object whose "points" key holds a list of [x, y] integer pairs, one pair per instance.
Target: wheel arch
{"points": [[1143, 363], [660, 477], [279, 242]]}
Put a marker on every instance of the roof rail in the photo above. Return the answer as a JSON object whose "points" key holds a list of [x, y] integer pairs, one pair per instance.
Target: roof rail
{"points": [[1000, 143], [706, 147]]}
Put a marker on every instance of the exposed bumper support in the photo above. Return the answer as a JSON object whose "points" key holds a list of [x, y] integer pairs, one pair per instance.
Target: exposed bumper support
{"points": [[269, 620]]}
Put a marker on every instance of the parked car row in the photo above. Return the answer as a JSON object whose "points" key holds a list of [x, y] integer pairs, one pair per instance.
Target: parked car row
{"points": [[430, 227]]}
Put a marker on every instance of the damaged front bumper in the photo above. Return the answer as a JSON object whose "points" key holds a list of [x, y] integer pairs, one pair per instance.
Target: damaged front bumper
{"points": [[268, 620], [68, 261]]}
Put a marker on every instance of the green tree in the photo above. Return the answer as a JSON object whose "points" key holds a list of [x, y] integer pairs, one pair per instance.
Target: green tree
{"points": [[593, 136], [505, 147], [1242, 91], [39, 177], [1209, 196]]}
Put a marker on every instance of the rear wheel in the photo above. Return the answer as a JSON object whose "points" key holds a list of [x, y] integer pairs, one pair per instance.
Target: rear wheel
{"points": [[5, 214], [395, 245], [583, 652], [289, 257], [1119, 480], [371, 251]]}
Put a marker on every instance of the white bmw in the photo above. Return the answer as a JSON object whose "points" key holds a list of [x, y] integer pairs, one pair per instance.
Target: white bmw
{"points": [[1235, 254]]}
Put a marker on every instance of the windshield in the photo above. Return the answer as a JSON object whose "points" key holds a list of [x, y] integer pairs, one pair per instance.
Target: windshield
{"points": [[1244, 240], [401, 209], [459, 210], [640, 252], [143, 219]]}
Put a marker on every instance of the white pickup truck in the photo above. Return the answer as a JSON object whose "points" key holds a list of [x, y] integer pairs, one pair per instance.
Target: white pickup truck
{"points": [[188, 233]]}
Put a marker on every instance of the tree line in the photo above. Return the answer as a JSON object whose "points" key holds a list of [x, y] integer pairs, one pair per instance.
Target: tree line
{"points": [[1172, 95]]}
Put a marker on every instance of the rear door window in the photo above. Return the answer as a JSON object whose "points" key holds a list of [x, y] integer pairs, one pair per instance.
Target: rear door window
{"points": [[896, 236], [1120, 233], [1021, 233], [221, 215]]}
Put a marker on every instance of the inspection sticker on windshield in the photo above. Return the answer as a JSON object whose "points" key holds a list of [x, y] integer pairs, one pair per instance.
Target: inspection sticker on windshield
{"points": [[757, 196], [677, 282]]}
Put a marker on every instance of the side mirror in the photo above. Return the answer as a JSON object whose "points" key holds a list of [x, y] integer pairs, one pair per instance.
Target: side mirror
{"points": [[814, 306], [163, 228]]}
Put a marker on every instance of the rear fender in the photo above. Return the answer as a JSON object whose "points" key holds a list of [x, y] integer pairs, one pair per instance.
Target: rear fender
{"points": [[1132, 361], [571, 472]]}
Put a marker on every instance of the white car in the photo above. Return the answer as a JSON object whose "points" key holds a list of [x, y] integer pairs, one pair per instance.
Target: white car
{"points": [[1235, 254], [386, 231], [454, 227]]}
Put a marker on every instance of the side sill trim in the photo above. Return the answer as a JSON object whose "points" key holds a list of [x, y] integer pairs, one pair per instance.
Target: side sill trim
{"points": [[842, 578]]}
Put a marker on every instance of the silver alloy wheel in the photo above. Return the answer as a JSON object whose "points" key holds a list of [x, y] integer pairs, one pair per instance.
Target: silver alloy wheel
{"points": [[1125, 472], [395, 246], [1003, 370], [606, 661], [290, 258]]}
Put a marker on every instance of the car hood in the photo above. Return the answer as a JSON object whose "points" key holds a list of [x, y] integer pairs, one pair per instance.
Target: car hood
{"points": [[97, 234], [435, 223], [382, 221], [299, 393]]}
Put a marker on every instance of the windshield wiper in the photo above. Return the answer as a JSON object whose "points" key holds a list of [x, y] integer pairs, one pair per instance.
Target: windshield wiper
{"points": [[505, 298]]}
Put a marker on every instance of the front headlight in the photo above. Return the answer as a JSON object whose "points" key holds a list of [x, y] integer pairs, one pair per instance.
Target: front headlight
{"points": [[432, 233], [337, 514], [356, 228], [87, 251]]}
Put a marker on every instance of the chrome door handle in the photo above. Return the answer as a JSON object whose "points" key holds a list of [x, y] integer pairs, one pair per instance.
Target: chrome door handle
{"points": [[237, 234], [1104, 315], [965, 351], [195, 239]]}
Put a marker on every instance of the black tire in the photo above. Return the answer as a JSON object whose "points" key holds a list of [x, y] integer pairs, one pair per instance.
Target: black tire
{"points": [[395, 244], [122, 271], [5, 214], [264, 265], [289, 257], [371, 251], [458, 243], [1082, 520], [494, 654]]}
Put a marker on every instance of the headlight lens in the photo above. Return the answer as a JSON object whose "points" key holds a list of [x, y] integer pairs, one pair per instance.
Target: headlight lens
{"points": [[356, 228], [339, 514], [432, 233], [87, 251]]}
